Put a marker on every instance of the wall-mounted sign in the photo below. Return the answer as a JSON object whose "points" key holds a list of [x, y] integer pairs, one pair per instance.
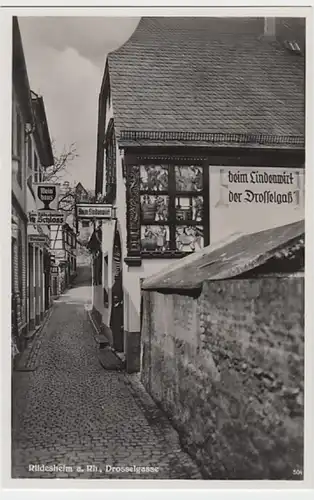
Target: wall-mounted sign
{"points": [[46, 217], [250, 199], [46, 196], [259, 186], [39, 239], [54, 270], [95, 211]]}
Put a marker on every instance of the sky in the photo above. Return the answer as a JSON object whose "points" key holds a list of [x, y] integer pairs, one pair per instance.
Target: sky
{"points": [[65, 59]]}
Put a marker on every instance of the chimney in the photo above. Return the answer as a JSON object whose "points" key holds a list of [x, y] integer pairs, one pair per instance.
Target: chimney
{"points": [[270, 28]]}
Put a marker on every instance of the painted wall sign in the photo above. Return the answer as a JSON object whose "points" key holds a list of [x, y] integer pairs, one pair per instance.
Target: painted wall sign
{"points": [[46, 196], [46, 217], [259, 186], [250, 199], [95, 211]]}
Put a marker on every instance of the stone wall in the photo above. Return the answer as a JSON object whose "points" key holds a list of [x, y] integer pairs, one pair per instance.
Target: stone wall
{"points": [[228, 370]]}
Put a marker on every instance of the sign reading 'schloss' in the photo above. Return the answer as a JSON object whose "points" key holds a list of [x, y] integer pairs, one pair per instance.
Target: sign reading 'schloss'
{"points": [[46, 218]]}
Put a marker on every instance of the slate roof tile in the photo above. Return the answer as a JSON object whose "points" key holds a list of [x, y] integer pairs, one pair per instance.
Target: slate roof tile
{"points": [[209, 75]]}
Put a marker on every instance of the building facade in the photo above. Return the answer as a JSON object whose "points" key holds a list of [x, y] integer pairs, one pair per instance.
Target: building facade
{"points": [[39, 157], [63, 248], [31, 154], [195, 150]]}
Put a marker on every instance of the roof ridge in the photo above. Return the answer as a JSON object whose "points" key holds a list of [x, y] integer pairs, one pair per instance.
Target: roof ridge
{"points": [[211, 137]]}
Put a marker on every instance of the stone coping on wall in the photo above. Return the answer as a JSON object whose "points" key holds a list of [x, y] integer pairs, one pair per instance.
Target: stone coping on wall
{"points": [[232, 258]]}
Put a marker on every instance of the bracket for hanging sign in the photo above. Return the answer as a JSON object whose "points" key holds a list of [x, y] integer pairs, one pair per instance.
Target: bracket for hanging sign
{"points": [[100, 211]]}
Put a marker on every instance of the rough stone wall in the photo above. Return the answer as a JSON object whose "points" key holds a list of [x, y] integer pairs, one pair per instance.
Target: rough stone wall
{"points": [[228, 369]]}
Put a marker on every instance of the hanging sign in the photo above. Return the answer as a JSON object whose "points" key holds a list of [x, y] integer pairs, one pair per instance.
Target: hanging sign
{"points": [[39, 239], [46, 196], [95, 211], [46, 217], [59, 254], [54, 270]]}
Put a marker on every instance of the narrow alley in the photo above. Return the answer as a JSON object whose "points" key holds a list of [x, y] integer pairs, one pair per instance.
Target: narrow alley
{"points": [[71, 414]]}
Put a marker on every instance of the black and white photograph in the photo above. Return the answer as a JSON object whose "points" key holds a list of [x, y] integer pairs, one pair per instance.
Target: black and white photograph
{"points": [[158, 246]]}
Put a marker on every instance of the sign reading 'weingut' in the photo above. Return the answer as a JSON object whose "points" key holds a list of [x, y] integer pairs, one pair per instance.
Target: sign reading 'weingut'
{"points": [[46, 196]]}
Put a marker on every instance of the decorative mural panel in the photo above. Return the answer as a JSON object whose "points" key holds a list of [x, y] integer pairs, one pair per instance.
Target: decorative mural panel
{"points": [[154, 208], [155, 238], [167, 209], [154, 178], [189, 238], [189, 208], [133, 209], [189, 178], [111, 168]]}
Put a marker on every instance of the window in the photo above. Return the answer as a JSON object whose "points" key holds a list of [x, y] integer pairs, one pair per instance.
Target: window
{"points": [[13, 138], [29, 153], [17, 142], [97, 268], [20, 263], [173, 209], [85, 223], [36, 170]]}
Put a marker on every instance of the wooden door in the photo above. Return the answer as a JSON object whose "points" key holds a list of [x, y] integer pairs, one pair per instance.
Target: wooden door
{"points": [[116, 320]]}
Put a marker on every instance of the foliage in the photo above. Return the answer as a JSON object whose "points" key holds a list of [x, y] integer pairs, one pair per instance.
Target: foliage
{"points": [[61, 162]]}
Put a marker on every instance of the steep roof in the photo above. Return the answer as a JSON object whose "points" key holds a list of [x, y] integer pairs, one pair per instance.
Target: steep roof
{"points": [[233, 258], [19, 72], [208, 76], [42, 135]]}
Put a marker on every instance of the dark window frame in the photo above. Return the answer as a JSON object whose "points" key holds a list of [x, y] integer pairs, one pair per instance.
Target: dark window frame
{"points": [[172, 193]]}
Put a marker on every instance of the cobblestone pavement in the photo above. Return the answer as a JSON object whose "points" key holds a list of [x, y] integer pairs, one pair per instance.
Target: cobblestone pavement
{"points": [[71, 413]]}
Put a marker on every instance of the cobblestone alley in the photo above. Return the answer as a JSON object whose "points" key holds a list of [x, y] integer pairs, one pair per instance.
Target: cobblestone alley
{"points": [[72, 413]]}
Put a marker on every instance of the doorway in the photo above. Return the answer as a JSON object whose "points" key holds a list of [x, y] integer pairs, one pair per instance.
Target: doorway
{"points": [[117, 320]]}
